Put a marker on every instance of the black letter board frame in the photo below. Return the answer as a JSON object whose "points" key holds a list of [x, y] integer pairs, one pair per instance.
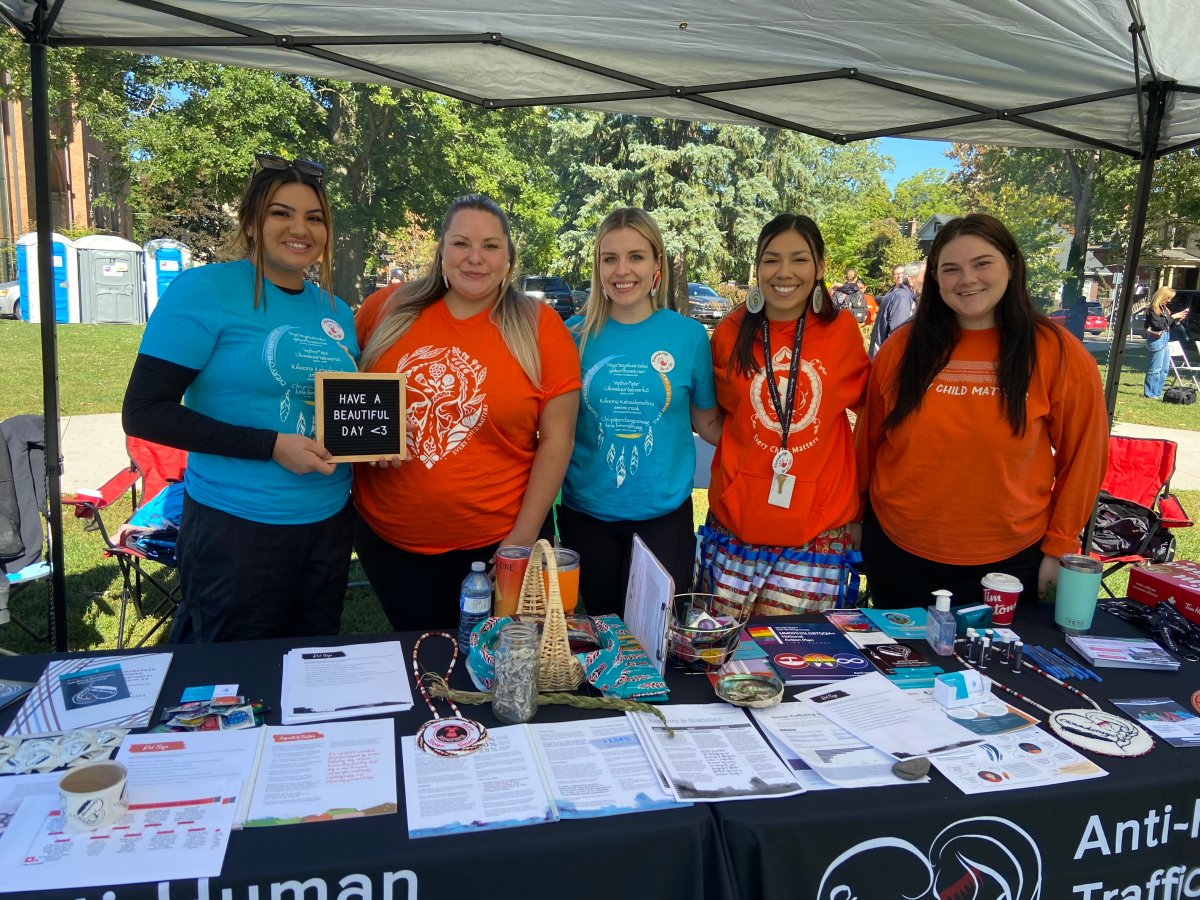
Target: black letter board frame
{"points": [[369, 444]]}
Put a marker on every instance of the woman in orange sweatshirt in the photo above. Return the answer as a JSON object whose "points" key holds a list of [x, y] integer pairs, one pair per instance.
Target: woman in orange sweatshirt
{"points": [[984, 440], [784, 490]]}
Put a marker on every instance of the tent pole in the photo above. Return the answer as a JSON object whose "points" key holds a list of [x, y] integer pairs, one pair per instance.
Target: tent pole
{"points": [[40, 83], [1137, 229]]}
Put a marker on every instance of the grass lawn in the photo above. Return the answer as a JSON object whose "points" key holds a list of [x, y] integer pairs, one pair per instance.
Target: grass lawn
{"points": [[94, 365]]}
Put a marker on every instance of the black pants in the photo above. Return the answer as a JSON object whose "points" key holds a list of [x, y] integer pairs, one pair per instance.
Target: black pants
{"points": [[243, 580], [419, 591], [898, 579], [605, 548]]}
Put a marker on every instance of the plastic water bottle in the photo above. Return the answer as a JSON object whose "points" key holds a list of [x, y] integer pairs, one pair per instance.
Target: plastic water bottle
{"points": [[474, 604]]}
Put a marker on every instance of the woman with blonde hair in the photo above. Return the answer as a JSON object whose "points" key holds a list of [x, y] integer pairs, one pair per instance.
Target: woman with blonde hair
{"points": [[1159, 319], [265, 542], [647, 382], [492, 383]]}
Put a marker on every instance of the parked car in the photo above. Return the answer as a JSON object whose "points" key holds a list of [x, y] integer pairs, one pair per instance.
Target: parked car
{"points": [[705, 304], [10, 300], [580, 295], [551, 290], [1096, 322]]}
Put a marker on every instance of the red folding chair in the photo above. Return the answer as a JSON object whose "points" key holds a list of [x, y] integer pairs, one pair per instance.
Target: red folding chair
{"points": [[1140, 472], [151, 468]]}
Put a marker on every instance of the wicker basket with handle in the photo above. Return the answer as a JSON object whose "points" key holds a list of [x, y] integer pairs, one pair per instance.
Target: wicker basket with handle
{"points": [[558, 670]]}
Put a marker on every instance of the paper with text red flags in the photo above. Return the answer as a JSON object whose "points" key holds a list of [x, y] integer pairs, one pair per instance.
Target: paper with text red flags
{"points": [[344, 682]]}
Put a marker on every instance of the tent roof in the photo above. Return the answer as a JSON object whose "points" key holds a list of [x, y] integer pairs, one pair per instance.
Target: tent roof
{"points": [[1050, 73]]}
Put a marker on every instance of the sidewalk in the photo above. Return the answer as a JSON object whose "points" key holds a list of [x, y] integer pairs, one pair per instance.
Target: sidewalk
{"points": [[94, 449]]}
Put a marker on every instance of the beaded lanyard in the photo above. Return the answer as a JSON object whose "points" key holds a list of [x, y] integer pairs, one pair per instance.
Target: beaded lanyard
{"points": [[1089, 729], [445, 735]]}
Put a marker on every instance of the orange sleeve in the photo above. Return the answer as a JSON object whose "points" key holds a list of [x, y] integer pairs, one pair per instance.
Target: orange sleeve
{"points": [[1078, 426], [559, 357]]}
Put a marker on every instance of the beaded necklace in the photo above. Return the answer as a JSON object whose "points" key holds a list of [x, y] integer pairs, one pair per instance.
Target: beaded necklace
{"points": [[1088, 729], [445, 735]]}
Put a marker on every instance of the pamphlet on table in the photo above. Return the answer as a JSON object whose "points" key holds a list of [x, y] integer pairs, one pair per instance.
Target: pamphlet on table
{"points": [[93, 692], [648, 603], [344, 682], [886, 717], [822, 754], [531, 774], [901, 624], [858, 629], [715, 754], [285, 774], [809, 652], [1177, 726], [12, 691], [1026, 758], [1122, 653]]}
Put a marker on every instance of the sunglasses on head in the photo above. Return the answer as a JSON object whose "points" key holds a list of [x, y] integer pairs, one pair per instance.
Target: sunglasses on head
{"points": [[308, 167]]}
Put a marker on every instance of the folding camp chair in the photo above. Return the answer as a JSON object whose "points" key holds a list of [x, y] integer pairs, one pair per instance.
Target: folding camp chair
{"points": [[1179, 363], [1139, 473], [153, 468], [23, 515]]}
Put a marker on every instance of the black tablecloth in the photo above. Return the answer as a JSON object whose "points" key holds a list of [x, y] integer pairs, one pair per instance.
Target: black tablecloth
{"points": [[915, 841], [664, 853], [1065, 842]]}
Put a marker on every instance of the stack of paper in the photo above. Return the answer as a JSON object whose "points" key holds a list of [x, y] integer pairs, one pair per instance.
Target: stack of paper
{"points": [[323, 683], [1122, 653]]}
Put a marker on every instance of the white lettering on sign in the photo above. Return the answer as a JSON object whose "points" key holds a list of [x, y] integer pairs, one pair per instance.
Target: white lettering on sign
{"points": [[355, 886]]}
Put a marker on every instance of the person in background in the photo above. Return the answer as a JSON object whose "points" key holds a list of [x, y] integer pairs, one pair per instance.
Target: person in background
{"points": [[895, 308], [984, 439], [647, 383], [264, 545], [1076, 320], [1158, 322], [492, 389], [784, 502]]}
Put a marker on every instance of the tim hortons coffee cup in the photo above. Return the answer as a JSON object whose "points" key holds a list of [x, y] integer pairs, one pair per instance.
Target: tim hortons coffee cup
{"points": [[1001, 593], [93, 797]]}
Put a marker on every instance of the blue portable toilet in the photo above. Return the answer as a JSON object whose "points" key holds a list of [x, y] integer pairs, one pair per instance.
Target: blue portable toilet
{"points": [[165, 259], [66, 278], [112, 289]]}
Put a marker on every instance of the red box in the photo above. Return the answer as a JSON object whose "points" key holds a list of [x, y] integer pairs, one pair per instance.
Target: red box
{"points": [[1176, 581]]}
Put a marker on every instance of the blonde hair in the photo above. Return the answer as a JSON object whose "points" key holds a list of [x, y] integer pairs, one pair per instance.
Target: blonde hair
{"points": [[596, 312], [1162, 297], [252, 212], [514, 314]]}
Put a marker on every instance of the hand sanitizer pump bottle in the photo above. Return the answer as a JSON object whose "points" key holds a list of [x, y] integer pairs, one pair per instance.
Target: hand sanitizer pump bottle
{"points": [[940, 625]]}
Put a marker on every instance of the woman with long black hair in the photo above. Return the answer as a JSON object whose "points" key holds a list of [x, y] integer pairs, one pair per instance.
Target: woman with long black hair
{"points": [[783, 499], [984, 440]]}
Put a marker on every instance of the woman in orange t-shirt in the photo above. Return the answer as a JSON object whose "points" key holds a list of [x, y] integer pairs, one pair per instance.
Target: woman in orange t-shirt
{"points": [[784, 490], [985, 439], [492, 389]]}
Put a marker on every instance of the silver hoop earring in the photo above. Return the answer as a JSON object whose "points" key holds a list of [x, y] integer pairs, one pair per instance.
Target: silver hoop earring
{"points": [[818, 297], [754, 301]]}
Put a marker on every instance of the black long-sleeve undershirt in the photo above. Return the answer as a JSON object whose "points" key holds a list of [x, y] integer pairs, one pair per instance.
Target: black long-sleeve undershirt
{"points": [[153, 410]]}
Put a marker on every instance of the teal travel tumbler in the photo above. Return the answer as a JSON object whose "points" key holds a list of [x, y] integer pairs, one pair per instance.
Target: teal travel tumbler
{"points": [[1078, 588]]}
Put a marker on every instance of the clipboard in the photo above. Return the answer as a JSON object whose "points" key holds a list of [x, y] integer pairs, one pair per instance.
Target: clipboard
{"points": [[648, 598]]}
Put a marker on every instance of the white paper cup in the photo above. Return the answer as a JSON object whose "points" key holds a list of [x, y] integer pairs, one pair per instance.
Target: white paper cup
{"points": [[93, 796], [1001, 592]]}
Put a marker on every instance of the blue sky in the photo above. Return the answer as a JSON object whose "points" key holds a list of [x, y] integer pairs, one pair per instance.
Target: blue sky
{"points": [[913, 156]]}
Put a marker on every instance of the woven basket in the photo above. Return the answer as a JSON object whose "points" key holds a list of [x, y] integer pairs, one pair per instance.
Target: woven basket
{"points": [[558, 670]]}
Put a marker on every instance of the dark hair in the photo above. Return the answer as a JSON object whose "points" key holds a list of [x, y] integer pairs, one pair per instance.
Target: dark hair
{"points": [[252, 212], [741, 357], [934, 330]]}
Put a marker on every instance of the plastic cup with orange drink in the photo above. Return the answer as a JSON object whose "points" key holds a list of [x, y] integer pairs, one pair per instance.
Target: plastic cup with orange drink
{"points": [[511, 563]]}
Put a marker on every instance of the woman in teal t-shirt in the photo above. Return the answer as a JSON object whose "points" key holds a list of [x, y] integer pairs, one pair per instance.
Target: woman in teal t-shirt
{"points": [[647, 383]]}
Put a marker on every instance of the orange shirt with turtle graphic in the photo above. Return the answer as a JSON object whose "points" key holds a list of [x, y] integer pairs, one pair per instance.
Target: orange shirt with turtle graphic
{"points": [[472, 428], [832, 378]]}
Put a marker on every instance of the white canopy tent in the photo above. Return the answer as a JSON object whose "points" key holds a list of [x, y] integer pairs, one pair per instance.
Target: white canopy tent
{"points": [[1122, 75]]}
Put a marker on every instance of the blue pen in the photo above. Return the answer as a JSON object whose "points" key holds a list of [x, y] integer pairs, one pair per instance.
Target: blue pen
{"points": [[1087, 673], [1046, 661], [1070, 663]]}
